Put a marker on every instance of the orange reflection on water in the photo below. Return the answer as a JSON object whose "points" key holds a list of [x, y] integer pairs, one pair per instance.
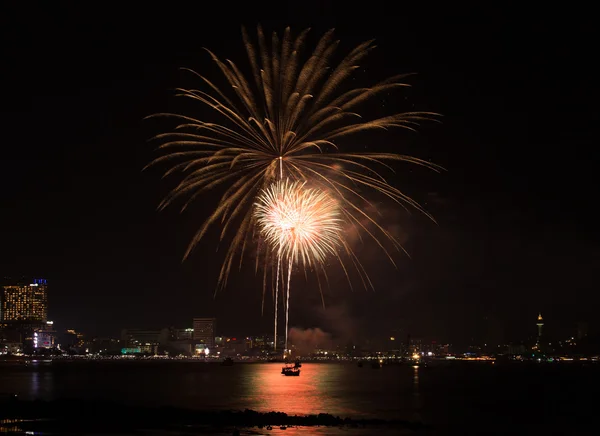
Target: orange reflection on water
{"points": [[269, 390], [416, 377]]}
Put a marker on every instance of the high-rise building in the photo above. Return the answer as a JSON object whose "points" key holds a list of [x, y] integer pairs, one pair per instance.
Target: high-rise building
{"points": [[204, 331], [25, 301], [71, 338], [45, 337]]}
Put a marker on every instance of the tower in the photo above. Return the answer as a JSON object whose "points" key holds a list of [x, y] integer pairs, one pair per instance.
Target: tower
{"points": [[540, 325]]}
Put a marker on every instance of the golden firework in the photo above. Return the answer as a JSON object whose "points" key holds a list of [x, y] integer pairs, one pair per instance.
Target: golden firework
{"points": [[283, 121], [300, 223]]}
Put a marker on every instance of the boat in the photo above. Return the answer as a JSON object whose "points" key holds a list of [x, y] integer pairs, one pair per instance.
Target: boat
{"points": [[297, 364], [290, 371], [228, 361]]}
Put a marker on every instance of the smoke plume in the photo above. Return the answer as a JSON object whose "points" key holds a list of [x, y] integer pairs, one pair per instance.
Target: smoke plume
{"points": [[306, 341]]}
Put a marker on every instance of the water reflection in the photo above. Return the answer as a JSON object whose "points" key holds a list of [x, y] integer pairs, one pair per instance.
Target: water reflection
{"points": [[416, 379], [417, 404], [307, 394], [343, 390], [10, 426], [337, 389], [41, 384]]}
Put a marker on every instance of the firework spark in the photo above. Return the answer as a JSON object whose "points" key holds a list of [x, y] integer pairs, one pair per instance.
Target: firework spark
{"points": [[283, 121], [302, 224]]}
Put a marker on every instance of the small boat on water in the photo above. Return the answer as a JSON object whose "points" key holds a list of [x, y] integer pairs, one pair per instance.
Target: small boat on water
{"points": [[297, 364], [228, 361], [290, 371]]}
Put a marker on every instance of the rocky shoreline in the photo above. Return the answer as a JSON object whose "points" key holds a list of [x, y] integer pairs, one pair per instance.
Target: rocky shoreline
{"points": [[66, 416]]}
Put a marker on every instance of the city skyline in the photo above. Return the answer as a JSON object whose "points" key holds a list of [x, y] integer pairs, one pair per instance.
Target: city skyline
{"points": [[24, 327], [488, 330], [515, 233], [33, 297]]}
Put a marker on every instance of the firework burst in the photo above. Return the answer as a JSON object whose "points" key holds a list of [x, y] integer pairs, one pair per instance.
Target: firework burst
{"points": [[283, 121], [302, 224], [299, 223]]}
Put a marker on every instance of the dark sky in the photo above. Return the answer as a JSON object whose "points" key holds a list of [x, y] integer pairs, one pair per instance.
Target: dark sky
{"points": [[516, 208]]}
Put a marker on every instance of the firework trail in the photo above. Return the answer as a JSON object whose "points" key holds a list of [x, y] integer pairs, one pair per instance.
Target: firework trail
{"points": [[287, 305], [276, 299], [302, 224]]}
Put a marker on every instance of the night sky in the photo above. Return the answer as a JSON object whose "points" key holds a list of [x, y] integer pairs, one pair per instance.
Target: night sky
{"points": [[516, 208]]}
